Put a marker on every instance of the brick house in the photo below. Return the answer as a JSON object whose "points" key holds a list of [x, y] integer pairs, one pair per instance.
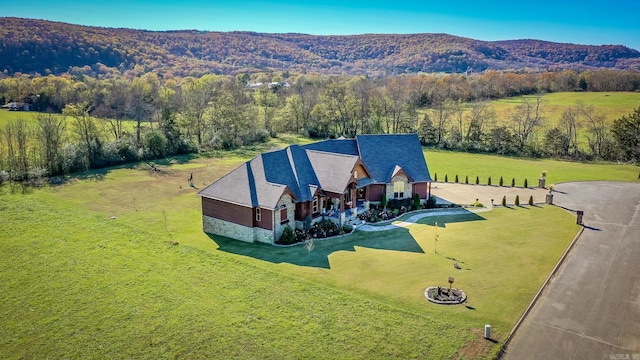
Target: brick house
{"points": [[334, 179]]}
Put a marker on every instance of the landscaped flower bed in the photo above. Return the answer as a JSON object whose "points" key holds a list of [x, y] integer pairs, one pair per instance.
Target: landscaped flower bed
{"points": [[443, 295], [320, 230]]}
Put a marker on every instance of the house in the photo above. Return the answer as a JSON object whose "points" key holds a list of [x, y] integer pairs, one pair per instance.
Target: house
{"points": [[15, 106], [333, 179]]}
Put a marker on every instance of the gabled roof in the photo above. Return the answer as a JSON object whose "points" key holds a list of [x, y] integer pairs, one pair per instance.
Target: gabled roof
{"points": [[325, 165], [382, 153], [333, 170], [336, 146], [246, 185], [291, 167]]}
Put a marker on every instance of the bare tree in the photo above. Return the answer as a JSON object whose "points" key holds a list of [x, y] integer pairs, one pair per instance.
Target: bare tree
{"points": [[86, 131], [596, 127], [569, 124], [51, 130], [525, 119], [481, 115]]}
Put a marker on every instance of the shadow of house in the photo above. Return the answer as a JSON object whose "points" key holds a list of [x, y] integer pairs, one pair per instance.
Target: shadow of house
{"points": [[395, 240], [443, 220]]}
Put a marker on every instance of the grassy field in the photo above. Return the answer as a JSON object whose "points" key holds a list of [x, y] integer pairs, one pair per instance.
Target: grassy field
{"points": [[76, 283], [613, 104], [482, 165]]}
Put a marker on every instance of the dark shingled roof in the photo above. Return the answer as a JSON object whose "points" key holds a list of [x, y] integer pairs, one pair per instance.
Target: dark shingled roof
{"points": [[291, 167], [382, 153], [327, 164], [337, 146], [334, 170]]}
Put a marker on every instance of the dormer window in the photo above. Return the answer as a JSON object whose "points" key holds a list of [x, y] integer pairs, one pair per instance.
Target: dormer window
{"points": [[355, 174]]}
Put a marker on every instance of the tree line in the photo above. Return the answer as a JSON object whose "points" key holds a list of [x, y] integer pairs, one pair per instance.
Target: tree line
{"points": [[87, 122]]}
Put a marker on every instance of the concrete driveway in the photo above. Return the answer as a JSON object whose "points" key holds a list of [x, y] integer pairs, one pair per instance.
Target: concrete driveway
{"points": [[464, 194], [591, 308]]}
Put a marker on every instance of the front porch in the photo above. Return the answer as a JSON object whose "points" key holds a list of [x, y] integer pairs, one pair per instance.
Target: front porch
{"points": [[349, 215]]}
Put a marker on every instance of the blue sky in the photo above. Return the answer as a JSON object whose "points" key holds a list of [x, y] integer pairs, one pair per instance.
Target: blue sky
{"points": [[582, 22]]}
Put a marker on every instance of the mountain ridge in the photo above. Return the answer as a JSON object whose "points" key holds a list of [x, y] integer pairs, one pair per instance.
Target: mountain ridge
{"points": [[47, 47]]}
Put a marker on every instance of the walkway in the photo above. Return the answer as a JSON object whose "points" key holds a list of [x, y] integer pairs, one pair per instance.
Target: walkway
{"points": [[414, 218]]}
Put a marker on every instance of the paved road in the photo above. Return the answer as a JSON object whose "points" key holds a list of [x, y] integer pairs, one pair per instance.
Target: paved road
{"points": [[591, 308]]}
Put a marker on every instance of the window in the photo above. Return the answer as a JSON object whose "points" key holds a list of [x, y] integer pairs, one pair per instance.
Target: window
{"points": [[283, 215], [315, 205], [347, 196], [355, 174], [398, 189], [258, 215]]}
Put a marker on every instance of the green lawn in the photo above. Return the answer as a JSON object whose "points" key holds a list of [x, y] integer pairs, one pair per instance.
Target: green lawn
{"points": [[465, 164], [613, 104], [75, 283]]}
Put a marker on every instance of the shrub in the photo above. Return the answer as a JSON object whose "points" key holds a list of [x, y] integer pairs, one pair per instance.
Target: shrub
{"points": [[501, 181], [307, 223], [383, 201], [72, 159], [431, 202], [446, 178], [504, 200], [155, 144], [416, 201], [513, 182], [395, 212], [287, 237], [435, 177], [526, 184], [517, 202], [466, 179], [531, 200], [477, 180], [489, 181], [456, 178]]}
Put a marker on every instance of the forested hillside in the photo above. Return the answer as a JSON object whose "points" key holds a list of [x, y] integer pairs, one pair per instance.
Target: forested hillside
{"points": [[44, 47]]}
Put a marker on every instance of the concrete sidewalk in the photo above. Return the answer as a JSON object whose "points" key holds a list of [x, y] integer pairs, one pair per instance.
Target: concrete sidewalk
{"points": [[414, 218]]}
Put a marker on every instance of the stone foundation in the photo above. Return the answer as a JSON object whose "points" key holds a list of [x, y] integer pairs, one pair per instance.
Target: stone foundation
{"points": [[235, 231]]}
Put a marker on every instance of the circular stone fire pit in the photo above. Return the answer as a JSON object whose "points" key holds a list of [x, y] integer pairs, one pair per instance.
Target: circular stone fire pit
{"points": [[444, 295]]}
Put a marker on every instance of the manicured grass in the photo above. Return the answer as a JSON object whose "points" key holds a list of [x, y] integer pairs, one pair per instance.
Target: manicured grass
{"points": [[148, 284], [465, 164]]}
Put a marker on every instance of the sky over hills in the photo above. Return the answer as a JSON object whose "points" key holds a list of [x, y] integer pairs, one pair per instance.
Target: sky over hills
{"points": [[571, 21]]}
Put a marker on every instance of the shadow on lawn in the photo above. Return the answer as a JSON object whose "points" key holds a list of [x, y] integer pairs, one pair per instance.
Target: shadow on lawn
{"points": [[395, 240], [443, 220]]}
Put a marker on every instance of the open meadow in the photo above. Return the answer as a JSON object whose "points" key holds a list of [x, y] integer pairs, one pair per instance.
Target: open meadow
{"points": [[113, 263], [613, 104]]}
